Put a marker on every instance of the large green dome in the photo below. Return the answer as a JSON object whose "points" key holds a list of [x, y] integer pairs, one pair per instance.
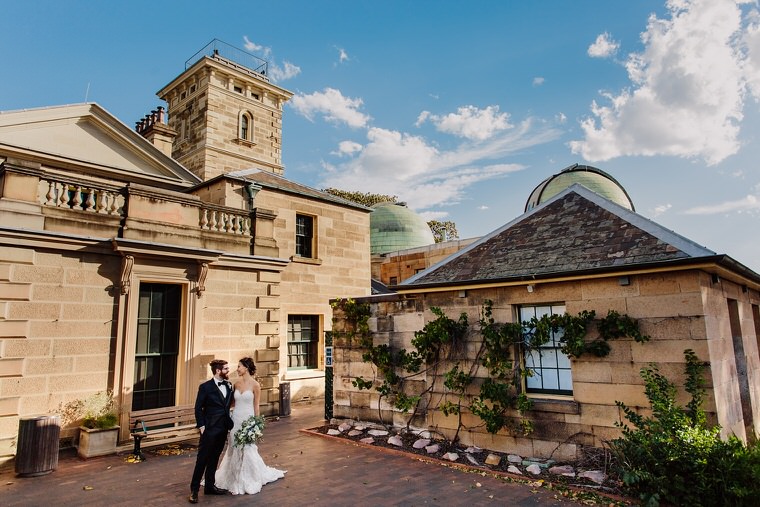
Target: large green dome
{"points": [[395, 227], [592, 178]]}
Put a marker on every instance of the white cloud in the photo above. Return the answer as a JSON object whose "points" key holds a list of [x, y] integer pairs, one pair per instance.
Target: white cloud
{"points": [[749, 203], [347, 148], [538, 81], [425, 176], [659, 210], [603, 46], [342, 55], [332, 106], [287, 71], [560, 118], [275, 71], [687, 94], [469, 122], [483, 207], [253, 47]]}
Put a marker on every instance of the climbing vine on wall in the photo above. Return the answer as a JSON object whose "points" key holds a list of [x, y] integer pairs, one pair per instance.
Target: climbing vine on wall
{"points": [[440, 352]]}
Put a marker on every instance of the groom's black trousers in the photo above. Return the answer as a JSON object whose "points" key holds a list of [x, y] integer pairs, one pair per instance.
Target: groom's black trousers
{"points": [[210, 448]]}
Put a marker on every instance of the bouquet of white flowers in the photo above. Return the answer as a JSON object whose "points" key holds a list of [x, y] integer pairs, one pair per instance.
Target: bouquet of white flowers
{"points": [[250, 432]]}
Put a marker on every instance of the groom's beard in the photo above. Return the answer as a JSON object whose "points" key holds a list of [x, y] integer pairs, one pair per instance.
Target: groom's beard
{"points": [[224, 375]]}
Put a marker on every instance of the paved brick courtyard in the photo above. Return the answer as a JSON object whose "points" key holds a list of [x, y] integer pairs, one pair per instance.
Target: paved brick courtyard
{"points": [[321, 472]]}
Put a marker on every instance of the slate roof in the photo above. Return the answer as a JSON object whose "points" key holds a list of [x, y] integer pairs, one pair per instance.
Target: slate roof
{"points": [[270, 180], [577, 231]]}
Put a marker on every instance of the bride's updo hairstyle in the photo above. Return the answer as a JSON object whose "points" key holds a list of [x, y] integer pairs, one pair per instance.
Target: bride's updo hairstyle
{"points": [[248, 363]]}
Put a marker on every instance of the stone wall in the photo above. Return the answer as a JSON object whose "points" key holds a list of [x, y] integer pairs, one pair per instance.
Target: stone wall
{"points": [[57, 330], [676, 310], [340, 268]]}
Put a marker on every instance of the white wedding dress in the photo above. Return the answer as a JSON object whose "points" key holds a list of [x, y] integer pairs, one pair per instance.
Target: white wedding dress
{"points": [[242, 470]]}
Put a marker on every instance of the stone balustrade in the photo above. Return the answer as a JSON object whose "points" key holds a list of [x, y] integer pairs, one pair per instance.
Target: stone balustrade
{"points": [[81, 197], [220, 220]]}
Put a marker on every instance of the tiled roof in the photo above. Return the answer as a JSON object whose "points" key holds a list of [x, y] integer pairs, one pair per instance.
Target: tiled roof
{"points": [[271, 180], [576, 231]]}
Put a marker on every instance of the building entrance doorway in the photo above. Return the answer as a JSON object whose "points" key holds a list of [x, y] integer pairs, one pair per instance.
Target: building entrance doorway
{"points": [[157, 346]]}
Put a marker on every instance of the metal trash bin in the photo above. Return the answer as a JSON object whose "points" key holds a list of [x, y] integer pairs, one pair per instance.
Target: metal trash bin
{"points": [[284, 399], [38, 443]]}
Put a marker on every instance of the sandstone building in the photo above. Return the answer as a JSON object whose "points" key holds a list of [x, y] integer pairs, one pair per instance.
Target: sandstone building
{"points": [[572, 250], [130, 258]]}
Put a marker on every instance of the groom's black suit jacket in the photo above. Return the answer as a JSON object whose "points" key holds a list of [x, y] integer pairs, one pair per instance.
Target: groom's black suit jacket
{"points": [[212, 409]]}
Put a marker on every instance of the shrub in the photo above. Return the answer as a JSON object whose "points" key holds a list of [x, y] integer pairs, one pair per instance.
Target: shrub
{"points": [[675, 457], [100, 411]]}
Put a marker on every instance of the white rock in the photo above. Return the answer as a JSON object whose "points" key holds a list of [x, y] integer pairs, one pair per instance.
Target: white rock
{"points": [[420, 443], [514, 458], [451, 456], [360, 427], [377, 433], [432, 449], [344, 427], [354, 433], [368, 440], [396, 440], [493, 459], [595, 475], [472, 460], [473, 449], [514, 470], [534, 469], [566, 470], [333, 432]]}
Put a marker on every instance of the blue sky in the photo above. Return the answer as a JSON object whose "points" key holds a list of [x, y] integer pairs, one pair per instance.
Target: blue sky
{"points": [[458, 108]]}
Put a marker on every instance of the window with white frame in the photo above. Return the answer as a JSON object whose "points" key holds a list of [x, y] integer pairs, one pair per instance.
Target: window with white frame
{"points": [[305, 236], [303, 341], [550, 367]]}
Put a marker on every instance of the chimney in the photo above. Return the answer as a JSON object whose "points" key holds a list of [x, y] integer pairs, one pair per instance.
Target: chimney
{"points": [[153, 127]]}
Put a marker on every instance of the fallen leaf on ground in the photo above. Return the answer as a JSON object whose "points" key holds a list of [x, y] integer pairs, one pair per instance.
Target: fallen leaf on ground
{"points": [[87, 488]]}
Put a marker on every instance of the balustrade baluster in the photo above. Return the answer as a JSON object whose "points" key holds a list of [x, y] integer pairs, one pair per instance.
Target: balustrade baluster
{"points": [[50, 194], [89, 204], [204, 219], [102, 202], [63, 196], [77, 198], [114, 205], [213, 220]]}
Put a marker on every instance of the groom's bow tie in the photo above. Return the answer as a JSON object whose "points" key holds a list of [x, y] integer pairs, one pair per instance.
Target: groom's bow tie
{"points": [[222, 383]]}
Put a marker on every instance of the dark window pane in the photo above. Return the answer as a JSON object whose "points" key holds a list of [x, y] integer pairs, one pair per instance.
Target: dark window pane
{"points": [[157, 346]]}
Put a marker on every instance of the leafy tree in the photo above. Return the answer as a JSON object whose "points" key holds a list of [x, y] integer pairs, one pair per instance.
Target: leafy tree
{"points": [[443, 231], [364, 198]]}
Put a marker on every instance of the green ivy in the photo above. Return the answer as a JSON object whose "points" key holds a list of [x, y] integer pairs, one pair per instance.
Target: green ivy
{"points": [[500, 402]]}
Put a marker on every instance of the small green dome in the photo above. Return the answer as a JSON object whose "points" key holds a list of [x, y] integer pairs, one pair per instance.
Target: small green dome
{"points": [[590, 177], [395, 227]]}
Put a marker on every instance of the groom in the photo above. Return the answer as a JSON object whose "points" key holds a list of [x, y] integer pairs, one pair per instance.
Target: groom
{"points": [[212, 416]]}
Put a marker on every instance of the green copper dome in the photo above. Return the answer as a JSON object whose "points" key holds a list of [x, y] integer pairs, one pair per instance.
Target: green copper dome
{"points": [[592, 178], [395, 227]]}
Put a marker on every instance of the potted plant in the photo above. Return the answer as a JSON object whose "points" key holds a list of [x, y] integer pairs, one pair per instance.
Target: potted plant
{"points": [[99, 430]]}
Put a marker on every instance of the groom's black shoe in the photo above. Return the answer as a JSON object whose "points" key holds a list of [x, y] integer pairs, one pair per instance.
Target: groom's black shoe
{"points": [[213, 490], [193, 498]]}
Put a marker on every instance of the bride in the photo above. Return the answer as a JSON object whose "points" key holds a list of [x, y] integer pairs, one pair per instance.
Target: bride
{"points": [[242, 470]]}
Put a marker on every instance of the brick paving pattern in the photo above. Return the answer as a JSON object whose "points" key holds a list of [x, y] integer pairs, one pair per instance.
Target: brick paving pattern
{"points": [[321, 472]]}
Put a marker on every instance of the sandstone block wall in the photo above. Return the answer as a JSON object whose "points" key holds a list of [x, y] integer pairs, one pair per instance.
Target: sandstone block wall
{"points": [[677, 310], [57, 331]]}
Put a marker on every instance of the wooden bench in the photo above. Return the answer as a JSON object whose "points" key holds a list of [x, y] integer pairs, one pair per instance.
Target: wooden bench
{"points": [[165, 424]]}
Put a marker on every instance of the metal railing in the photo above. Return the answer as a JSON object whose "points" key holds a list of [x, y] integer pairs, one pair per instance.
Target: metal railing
{"points": [[231, 55]]}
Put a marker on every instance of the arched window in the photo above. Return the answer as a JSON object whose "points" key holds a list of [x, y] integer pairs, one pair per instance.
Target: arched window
{"points": [[246, 127]]}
